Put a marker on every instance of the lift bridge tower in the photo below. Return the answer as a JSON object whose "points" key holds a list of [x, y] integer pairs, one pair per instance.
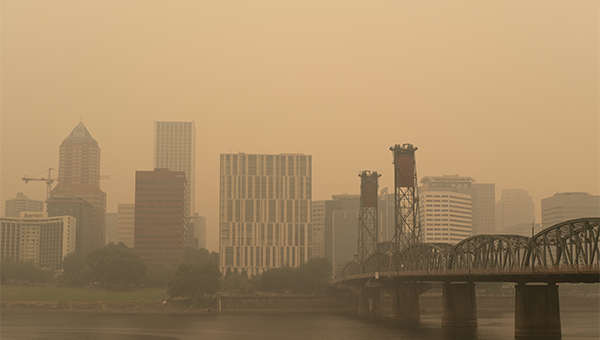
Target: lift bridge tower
{"points": [[407, 224], [368, 232]]}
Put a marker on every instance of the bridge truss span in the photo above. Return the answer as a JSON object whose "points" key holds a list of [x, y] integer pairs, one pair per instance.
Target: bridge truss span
{"points": [[566, 252]]}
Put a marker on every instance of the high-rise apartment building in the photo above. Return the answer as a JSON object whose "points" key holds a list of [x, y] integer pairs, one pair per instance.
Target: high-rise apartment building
{"points": [[125, 223], [38, 238], [318, 229], [13, 207], [79, 176], [161, 216], [515, 213], [175, 149], [483, 198], [82, 211], [566, 206], [264, 211], [446, 216]]}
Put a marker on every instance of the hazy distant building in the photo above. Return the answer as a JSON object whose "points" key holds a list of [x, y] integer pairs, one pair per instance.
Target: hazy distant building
{"points": [[341, 229], [567, 206], [125, 223], [318, 229], [264, 214], [161, 216], [79, 176], [111, 230], [175, 149], [483, 198], [387, 215], [14, 206], [445, 216], [38, 238], [82, 211], [198, 237], [515, 213]]}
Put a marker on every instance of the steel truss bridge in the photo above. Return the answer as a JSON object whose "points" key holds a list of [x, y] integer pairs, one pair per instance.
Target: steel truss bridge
{"points": [[565, 252]]}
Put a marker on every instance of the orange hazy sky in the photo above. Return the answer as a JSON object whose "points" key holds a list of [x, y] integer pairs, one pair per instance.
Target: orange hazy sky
{"points": [[506, 92]]}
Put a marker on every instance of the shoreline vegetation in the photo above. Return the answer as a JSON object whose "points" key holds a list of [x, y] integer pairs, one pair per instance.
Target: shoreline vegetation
{"points": [[27, 299]]}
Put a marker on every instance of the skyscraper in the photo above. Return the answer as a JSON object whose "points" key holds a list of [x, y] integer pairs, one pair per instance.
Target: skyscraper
{"points": [[264, 211], [446, 216], [483, 198], [82, 211], [22, 203], [566, 206], [515, 212], [175, 149], [161, 216], [125, 223], [79, 176]]}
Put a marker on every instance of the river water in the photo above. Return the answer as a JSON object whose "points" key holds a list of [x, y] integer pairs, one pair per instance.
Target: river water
{"points": [[492, 325]]}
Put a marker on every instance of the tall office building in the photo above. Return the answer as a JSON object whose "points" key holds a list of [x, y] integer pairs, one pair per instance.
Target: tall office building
{"points": [[13, 207], [341, 229], [175, 149], [264, 213], [446, 216], [515, 212], [82, 211], [161, 216], [38, 238], [197, 224], [79, 176], [125, 223], [566, 206], [111, 231], [483, 198]]}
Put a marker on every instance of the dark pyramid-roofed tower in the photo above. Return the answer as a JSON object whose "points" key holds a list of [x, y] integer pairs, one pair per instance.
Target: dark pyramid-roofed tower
{"points": [[79, 176]]}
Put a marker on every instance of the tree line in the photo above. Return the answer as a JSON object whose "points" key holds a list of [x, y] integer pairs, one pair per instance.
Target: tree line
{"points": [[117, 266]]}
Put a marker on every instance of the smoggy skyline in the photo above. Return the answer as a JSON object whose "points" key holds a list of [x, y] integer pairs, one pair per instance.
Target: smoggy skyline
{"points": [[505, 92]]}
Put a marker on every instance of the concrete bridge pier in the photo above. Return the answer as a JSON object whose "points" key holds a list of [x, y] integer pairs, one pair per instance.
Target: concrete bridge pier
{"points": [[405, 302], [369, 301], [459, 305], [537, 312]]}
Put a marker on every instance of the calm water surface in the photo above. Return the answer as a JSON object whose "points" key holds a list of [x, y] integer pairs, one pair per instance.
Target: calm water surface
{"points": [[492, 325]]}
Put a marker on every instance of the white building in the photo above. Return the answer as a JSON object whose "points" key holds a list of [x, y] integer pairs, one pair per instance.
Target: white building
{"points": [[175, 149], [515, 212], [445, 216], [483, 198], [125, 223], [566, 206], [264, 211], [13, 207], [38, 238]]}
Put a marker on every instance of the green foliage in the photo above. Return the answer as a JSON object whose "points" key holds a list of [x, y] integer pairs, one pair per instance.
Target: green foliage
{"points": [[311, 277], [240, 282], [194, 281], [76, 272], [201, 256], [159, 275], [23, 272], [116, 265], [277, 280]]}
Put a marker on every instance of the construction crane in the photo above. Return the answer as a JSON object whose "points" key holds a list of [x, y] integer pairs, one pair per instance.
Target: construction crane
{"points": [[49, 180]]}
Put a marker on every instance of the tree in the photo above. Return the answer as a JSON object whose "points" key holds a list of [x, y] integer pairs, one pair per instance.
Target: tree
{"points": [[239, 282], [277, 280], [116, 265], [25, 272], [312, 276], [201, 256], [159, 275], [194, 281], [76, 272]]}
